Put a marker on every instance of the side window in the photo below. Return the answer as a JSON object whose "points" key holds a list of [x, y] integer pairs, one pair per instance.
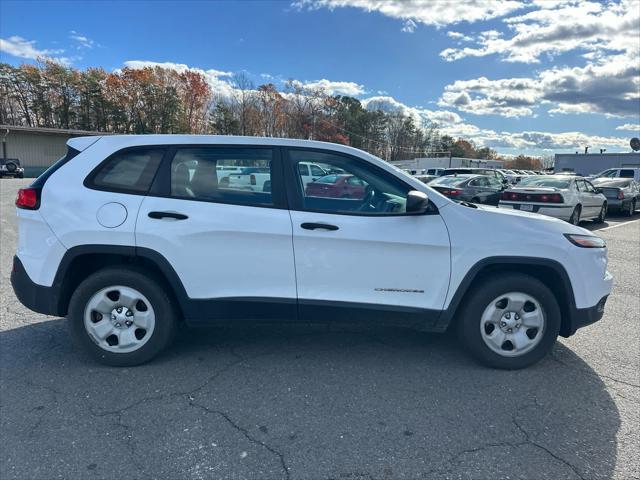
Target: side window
{"points": [[303, 169], [317, 171], [495, 183], [129, 171], [581, 186], [626, 173], [590, 187], [359, 188], [239, 176]]}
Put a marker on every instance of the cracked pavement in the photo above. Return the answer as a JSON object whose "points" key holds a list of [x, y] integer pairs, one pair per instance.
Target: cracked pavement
{"points": [[320, 402]]}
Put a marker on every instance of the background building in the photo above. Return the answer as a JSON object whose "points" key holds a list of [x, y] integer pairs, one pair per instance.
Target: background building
{"points": [[590, 163], [419, 164], [36, 148]]}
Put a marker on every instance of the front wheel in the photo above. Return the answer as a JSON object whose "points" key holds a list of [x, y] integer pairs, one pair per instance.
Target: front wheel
{"points": [[603, 213], [121, 316], [510, 322]]}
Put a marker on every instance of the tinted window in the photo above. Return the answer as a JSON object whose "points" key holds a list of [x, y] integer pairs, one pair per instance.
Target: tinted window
{"points": [[370, 192], [128, 171], [316, 171], [196, 174], [626, 173]]}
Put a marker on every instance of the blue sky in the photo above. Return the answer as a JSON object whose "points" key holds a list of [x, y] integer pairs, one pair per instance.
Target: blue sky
{"points": [[520, 76]]}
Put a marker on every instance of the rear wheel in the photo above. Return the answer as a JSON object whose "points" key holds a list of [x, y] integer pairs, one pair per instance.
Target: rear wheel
{"points": [[575, 216], [632, 208], [121, 316], [510, 322]]}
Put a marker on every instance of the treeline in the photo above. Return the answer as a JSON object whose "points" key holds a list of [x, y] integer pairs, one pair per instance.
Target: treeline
{"points": [[160, 100]]}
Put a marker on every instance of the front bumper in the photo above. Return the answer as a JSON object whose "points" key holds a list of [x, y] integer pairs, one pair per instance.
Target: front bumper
{"points": [[35, 297], [581, 317]]}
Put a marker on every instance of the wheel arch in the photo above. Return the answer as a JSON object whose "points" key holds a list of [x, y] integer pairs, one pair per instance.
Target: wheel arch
{"points": [[549, 272], [81, 261]]}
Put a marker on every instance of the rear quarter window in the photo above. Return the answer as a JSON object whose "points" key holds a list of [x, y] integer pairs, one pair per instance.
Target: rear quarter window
{"points": [[127, 171]]}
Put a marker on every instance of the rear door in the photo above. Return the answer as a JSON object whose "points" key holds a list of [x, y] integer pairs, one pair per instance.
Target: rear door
{"points": [[230, 247], [364, 254]]}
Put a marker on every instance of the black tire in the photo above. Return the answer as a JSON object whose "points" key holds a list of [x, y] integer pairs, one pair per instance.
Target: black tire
{"points": [[575, 215], [603, 214], [479, 298], [631, 210], [166, 314]]}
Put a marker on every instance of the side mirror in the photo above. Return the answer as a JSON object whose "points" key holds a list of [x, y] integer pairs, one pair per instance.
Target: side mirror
{"points": [[417, 202]]}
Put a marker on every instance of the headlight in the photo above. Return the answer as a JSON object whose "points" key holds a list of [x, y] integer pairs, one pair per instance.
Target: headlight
{"points": [[585, 241]]}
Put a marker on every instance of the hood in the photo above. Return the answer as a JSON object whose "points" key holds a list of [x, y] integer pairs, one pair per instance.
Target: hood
{"points": [[529, 219]]}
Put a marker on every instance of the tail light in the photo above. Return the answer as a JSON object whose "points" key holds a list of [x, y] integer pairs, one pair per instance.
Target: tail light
{"points": [[451, 193], [28, 198], [252, 179], [620, 195], [532, 197]]}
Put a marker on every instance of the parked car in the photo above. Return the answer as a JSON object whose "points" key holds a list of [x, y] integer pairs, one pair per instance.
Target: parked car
{"points": [[426, 178], [511, 176], [150, 244], [626, 172], [561, 196], [623, 194], [470, 188], [491, 172], [337, 186], [436, 172], [310, 172], [10, 167]]}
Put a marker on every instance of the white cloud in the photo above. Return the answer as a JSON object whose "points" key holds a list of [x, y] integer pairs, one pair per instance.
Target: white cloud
{"points": [[351, 89], [559, 27], [428, 12], [532, 141], [82, 40], [419, 115], [409, 26], [19, 47], [629, 127], [459, 36], [609, 86]]}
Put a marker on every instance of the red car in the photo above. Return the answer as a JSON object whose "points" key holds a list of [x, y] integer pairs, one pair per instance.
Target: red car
{"points": [[337, 186]]}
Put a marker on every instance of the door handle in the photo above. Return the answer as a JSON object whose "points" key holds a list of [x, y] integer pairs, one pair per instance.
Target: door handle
{"points": [[174, 215], [318, 226]]}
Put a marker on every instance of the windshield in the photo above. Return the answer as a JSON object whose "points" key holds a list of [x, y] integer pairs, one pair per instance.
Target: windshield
{"points": [[545, 182]]}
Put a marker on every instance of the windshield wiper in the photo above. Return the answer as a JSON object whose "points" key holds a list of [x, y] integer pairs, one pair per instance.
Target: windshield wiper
{"points": [[466, 204]]}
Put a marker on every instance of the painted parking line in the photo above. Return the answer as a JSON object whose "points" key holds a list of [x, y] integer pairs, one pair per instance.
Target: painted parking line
{"points": [[619, 225]]}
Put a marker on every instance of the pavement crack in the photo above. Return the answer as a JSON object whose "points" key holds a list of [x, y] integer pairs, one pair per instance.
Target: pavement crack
{"points": [[246, 434], [543, 448]]}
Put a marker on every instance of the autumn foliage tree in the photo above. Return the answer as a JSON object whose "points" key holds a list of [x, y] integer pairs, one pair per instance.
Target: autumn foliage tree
{"points": [[161, 100]]}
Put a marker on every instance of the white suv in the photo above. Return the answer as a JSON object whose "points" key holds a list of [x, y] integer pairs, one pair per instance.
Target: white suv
{"points": [[129, 235]]}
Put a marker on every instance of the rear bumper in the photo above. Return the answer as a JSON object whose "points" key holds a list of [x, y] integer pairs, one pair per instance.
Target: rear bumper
{"points": [[581, 317], [563, 212], [35, 297]]}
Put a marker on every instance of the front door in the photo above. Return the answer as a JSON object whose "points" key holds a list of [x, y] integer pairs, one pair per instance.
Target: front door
{"points": [[362, 253], [228, 242]]}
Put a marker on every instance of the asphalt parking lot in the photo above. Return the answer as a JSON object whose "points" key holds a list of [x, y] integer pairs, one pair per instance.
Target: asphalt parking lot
{"points": [[321, 402]]}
